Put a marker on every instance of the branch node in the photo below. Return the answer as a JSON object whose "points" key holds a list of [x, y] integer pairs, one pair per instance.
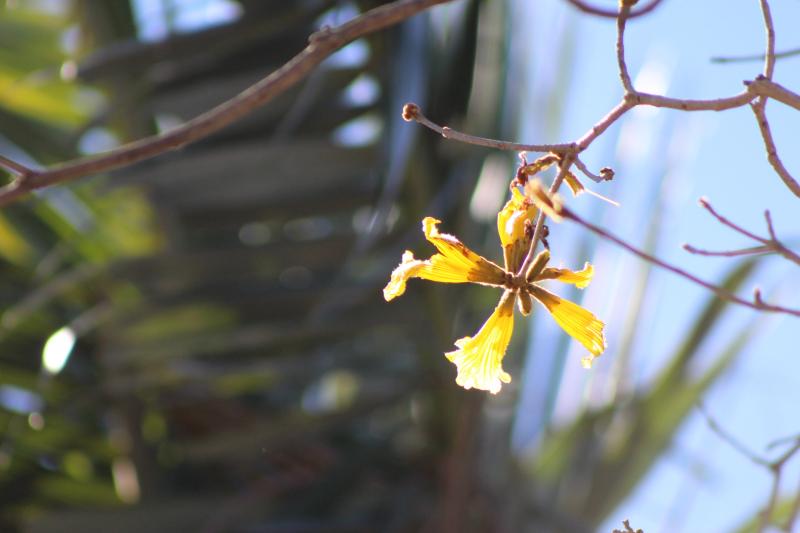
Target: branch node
{"points": [[757, 297]]}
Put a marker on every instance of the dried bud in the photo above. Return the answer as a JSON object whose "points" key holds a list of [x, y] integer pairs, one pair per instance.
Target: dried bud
{"points": [[410, 112], [607, 173], [524, 303], [537, 265]]}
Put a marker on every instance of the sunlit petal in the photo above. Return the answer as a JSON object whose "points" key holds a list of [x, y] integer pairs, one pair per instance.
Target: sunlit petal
{"points": [[514, 233], [580, 278], [454, 264], [408, 268], [479, 359], [579, 323]]}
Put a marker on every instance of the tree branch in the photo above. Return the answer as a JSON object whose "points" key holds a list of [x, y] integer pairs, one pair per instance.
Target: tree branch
{"points": [[622, 18], [768, 245], [610, 13], [321, 45], [757, 303], [412, 112], [755, 57]]}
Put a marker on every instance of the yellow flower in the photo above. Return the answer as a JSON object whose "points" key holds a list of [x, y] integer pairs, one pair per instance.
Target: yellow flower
{"points": [[479, 359]]}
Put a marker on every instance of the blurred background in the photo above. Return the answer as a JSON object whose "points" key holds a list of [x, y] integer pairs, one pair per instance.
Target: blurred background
{"points": [[199, 341]]}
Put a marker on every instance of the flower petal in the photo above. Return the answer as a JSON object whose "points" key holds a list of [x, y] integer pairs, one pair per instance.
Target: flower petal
{"points": [[513, 228], [579, 323], [408, 268], [580, 278], [454, 264], [479, 359]]}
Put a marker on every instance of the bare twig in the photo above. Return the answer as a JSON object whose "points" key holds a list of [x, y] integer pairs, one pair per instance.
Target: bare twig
{"points": [[755, 250], [616, 112], [321, 45], [775, 468], [412, 112], [768, 245], [769, 27], [730, 439], [610, 13], [622, 18], [606, 174], [760, 106], [14, 167], [705, 204], [757, 304], [563, 169], [762, 86], [755, 57], [681, 104], [759, 110]]}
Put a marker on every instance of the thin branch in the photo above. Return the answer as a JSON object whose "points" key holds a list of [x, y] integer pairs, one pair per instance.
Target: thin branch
{"points": [[769, 30], [777, 471], [715, 104], [606, 173], [775, 468], [762, 86], [563, 169], [610, 13], [755, 57], [620, 109], [705, 204], [759, 110], [760, 106], [755, 250], [321, 45], [770, 228], [14, 167], [412, 112], [730, 439], [770, 245], [757, 303], [622, 17]]}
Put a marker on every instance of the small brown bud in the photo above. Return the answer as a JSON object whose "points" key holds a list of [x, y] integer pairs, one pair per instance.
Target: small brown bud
{"points": [[607, 173], [410, 112]]}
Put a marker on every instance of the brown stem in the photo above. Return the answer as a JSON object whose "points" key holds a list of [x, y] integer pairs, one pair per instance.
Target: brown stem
{"points": [[563, 168], [755, 57], [14, 167], [755, 250], [321, 45], [760, 112], [719, 291], [610, 13], [762, 86], [705, 204], [412, 112], [624, 75]]}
